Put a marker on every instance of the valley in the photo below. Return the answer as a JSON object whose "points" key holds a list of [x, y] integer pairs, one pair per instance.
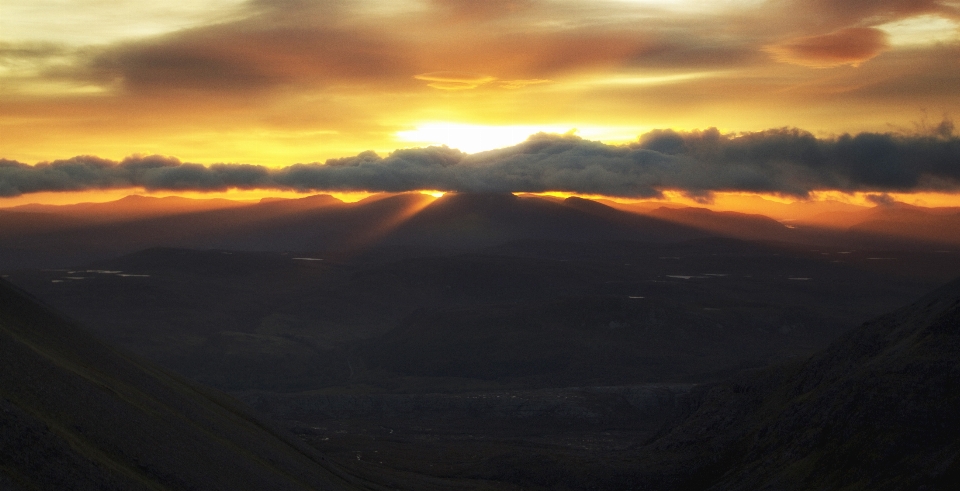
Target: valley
{"points": [[424, 355]]}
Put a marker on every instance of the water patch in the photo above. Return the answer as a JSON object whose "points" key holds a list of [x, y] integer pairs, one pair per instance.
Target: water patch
{"points": [[133, 275], [307, 259]]}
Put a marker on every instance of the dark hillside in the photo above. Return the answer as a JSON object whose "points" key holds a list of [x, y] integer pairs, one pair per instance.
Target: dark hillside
{"points": [[875, 411], [80, 415], [472, 220]]}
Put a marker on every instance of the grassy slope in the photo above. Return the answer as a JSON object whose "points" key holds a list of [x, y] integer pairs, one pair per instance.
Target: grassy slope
{"points": [[76, 414]]}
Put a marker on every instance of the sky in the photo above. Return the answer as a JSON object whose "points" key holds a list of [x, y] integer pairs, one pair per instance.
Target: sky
{"points": [[99, 87]]}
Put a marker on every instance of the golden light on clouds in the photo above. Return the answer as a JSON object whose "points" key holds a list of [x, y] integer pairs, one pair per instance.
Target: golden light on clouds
{"points": [[453, 80], [280, 83], [923, 30], [850, 46], [472, 138], [92, 22], [519, 84]]}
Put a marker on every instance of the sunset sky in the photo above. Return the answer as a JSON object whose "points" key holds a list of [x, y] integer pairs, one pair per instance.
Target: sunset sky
{"points": [[276, 83]]}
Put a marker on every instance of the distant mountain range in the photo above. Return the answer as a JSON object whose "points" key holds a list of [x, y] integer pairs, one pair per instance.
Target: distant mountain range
{"points": [[61, 236]]}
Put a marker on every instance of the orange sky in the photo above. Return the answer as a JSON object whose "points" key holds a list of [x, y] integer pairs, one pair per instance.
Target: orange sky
{"points": [[280, 82]]}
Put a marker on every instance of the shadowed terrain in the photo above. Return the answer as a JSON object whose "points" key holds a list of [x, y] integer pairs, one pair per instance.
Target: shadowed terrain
{"points": [[490, 341], [45, 236], [524, 314], [80, 415], [876, 410]]}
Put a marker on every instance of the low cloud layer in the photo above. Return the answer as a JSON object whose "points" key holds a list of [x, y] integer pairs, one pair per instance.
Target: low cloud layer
{"points": [[782, 161]]}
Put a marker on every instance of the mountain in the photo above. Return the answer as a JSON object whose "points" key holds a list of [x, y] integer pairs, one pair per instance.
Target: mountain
{"points": [[474, 220], [63, 236], [877, 410], [813, 212], [46, 236], [78, 414], [131, 207], [727, 223], [896, 221], [51, 237], [940, 226]]}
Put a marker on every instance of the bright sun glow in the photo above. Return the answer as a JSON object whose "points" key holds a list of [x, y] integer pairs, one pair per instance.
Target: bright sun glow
{"points": [[472, 138]]}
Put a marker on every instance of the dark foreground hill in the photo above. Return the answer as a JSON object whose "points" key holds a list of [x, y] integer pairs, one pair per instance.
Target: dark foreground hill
{"points": [[877, 410], [77, 414]]}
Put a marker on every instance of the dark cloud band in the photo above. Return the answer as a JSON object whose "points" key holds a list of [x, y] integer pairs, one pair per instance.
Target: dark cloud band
{"points": [[783, 161]]}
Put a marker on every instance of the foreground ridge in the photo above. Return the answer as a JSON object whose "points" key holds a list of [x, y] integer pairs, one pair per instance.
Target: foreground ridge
{"points": [[876, 410], [78, 414]]}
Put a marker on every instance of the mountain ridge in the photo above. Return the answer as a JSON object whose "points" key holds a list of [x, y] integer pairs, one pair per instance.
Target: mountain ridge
{"points": [[79, 414], [875, 410]]}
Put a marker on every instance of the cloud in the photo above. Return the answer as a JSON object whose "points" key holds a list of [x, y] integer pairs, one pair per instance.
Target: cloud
{"points": [[785, 161], [881, 199], [519, 84], [278, 44], [473, 11], [328, 45], [857, 11], [813, 17], [454, 80], [850, 46]]}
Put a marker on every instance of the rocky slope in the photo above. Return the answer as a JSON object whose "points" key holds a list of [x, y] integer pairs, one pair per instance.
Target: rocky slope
{"points": [[877, 410]]}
